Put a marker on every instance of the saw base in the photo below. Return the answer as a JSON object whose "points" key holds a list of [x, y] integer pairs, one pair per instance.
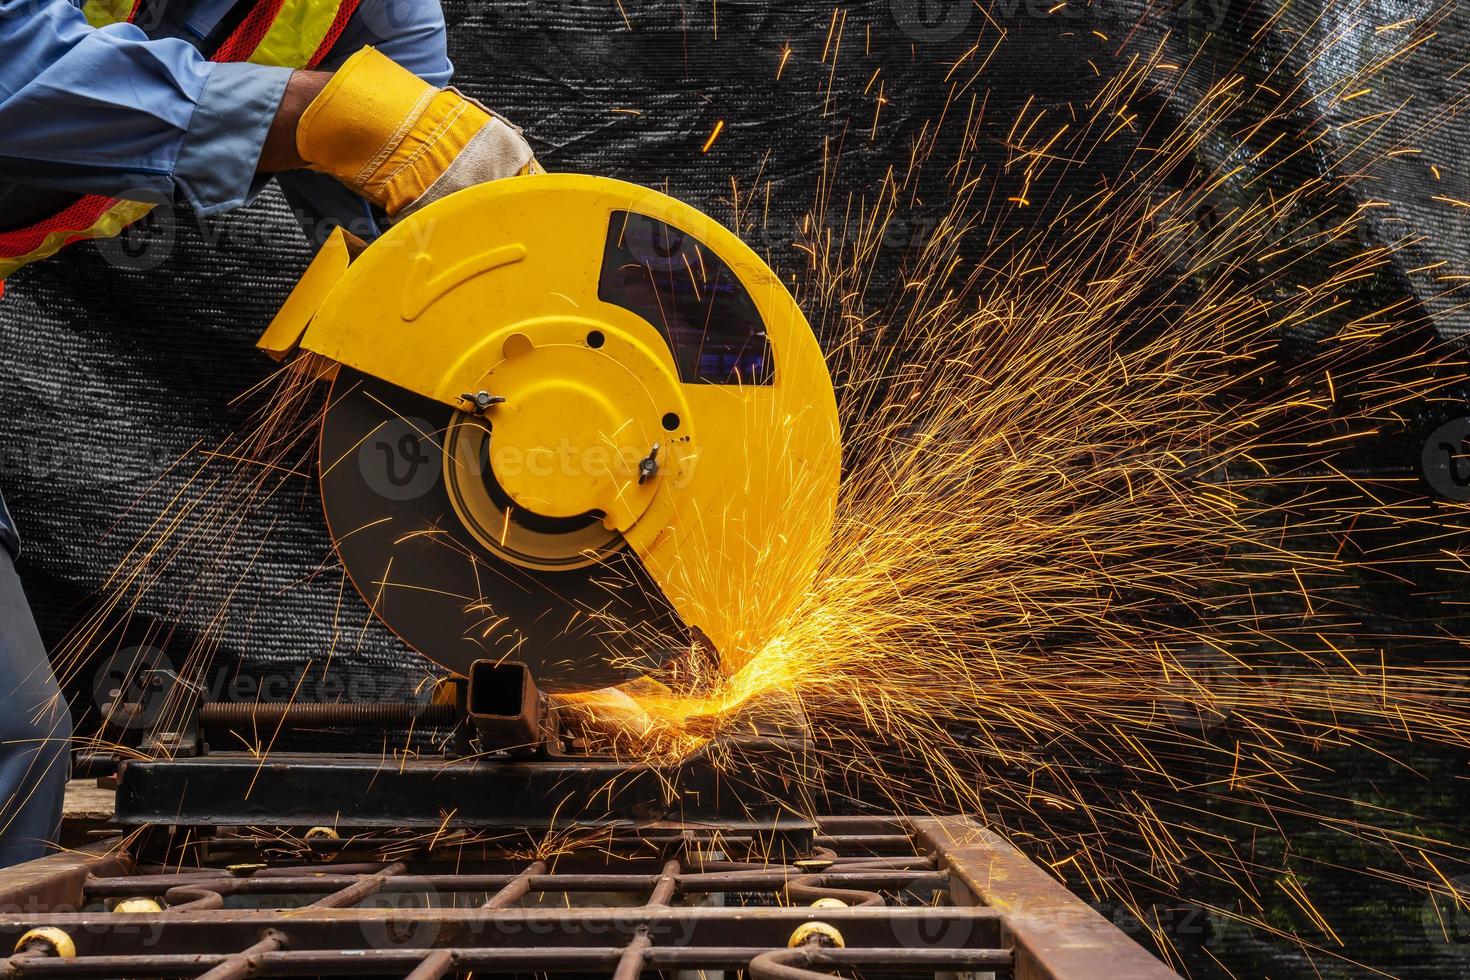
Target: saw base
{"points": [[361, 791], [496, 755]]}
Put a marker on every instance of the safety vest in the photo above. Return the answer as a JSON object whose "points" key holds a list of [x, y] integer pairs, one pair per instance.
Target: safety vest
{"points": [[281, 33]]}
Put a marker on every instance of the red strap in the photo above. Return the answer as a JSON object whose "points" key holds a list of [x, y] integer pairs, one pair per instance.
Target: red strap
{"points": [[345, 10], [239, 46], [82, 214], [245, 38]]}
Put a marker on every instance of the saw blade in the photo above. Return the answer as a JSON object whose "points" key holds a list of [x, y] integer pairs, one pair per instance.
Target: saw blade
{"points": [[400, 498]]}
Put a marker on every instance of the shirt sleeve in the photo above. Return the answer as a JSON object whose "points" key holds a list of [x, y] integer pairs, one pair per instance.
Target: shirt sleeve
{"points": [[411, 32], [109, 111]]}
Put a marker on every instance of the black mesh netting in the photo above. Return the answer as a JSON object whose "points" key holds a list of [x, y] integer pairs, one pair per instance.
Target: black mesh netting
{"points": [[120, 359]]}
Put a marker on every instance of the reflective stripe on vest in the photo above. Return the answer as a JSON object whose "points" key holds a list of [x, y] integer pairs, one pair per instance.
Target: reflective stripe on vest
{"points": [[93, 216], [101, 13], [278, 33], [295, 35]]}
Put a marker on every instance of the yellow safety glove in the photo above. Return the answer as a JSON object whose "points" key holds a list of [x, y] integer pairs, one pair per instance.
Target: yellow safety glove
{"points": [[400, 142]]}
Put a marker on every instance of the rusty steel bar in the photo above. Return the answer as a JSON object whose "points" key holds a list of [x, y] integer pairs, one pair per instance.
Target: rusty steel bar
{"points": [[666, 887], [326, 928], [291, 963], [58, 880], [795, 964], [359, 889], [865, 842], [766, 877], [291, 870], [461, 838], [437, 964], [193, 898], [806, 889], [910, 863], [22, 957], [517, 888], [1057, 936], [873, 824], [242, 964], [635, 956]]}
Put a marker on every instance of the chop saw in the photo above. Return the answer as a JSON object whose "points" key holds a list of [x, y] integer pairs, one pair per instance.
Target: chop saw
{"points": [[574, 422], [576, 430]]}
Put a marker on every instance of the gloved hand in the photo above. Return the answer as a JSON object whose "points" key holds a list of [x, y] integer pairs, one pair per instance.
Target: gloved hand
{"points": [[400, 142]]}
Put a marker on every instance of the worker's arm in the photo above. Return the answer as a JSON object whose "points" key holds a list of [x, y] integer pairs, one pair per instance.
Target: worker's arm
{"points": [[109, 111], [412, 33], [280, 151]]}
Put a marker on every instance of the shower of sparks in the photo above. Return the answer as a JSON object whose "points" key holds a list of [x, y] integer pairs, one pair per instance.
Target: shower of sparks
{"points": [[1096, 564], [1097, 560], [714, 135]]}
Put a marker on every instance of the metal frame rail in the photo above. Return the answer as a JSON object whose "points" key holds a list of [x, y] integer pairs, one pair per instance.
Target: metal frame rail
{"points": [[689, 908]]}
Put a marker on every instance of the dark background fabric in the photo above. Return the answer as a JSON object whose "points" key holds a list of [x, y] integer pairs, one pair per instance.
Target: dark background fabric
{"points": [[121, 358]]}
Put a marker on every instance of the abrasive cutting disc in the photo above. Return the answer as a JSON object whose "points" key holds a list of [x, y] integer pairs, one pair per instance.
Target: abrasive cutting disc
{"points": [[392, 463]]}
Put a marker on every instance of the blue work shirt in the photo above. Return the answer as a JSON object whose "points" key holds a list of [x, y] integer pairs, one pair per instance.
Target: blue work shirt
{"points": [[134, 114], [114, 111]]}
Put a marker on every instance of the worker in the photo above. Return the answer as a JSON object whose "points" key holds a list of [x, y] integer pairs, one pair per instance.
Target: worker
{"points": [[106, 105]]}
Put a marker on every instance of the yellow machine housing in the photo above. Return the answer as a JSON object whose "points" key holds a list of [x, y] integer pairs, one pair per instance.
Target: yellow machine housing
{"points": [[569, 305]]}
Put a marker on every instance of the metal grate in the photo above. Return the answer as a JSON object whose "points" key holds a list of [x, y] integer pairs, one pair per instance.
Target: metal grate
{"points": [[918, 896]]}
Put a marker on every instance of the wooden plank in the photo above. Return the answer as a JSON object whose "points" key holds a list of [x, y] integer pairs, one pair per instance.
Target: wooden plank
{"points": [[1057, 936], [87, 810]]}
